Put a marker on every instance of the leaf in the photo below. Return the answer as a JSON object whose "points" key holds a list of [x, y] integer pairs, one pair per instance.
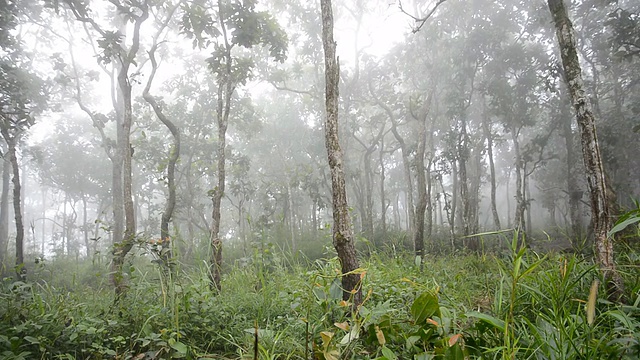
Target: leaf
{"points": [[331, 355], [343, 326], [454, 353], [32, 340], [326, 337], [623, 224], [423, 356], [179, 347], [387, 353], [352, 335], [491, 320], [424, 307], [335, 291]]}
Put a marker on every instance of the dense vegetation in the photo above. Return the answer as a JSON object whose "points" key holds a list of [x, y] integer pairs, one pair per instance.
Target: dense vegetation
{"points": [[493, 305], [243, 179]]}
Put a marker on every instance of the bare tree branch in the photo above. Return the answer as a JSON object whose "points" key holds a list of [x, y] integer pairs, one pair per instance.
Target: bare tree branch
{"points": [[422, 20]]}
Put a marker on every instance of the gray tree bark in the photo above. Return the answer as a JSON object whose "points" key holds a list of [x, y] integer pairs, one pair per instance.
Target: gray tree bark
{"points": [[4, 213], [596, 179], [343, 240]]}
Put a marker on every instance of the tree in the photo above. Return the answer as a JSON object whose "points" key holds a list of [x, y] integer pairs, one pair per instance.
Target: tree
{"points": [[21, 94], [239, 24], [174, 153], [343, 240], [115, 50], [596, 178]]}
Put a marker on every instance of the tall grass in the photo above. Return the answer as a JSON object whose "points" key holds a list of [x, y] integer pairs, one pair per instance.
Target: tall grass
{"points": [[519, 305]]}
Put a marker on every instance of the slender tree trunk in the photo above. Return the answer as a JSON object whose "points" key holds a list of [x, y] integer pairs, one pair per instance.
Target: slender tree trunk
{"points": [[454, 200], [383, 201], [174, 155], [21, 271], [342, 236], [573, 189], [486, 127], [85, 226], [596, 179], [65, 226], [226, 87], [421, 206], [43, 227], [121, 249], [292, 220], [368, 195], [519, 220], [463, 157], [4, 213], [406, 165]]}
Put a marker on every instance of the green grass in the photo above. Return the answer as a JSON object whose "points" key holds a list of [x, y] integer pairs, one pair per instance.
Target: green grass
{"points": [[518, 306]]}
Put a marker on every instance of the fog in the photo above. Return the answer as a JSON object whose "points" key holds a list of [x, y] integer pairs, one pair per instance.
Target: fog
{"points": [[483, 77]]}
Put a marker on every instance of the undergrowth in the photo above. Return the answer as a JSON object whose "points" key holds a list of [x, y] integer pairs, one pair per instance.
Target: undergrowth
{"points": [[519, 306]]}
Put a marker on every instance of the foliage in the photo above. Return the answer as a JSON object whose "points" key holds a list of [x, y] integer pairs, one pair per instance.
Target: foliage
{"points": [[522, 306]]}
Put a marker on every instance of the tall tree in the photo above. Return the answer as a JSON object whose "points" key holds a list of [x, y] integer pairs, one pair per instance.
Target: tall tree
{"points": [[237, 24], [21, 92], [596, 178], [174, 155], [343, 240], [115, 50]]}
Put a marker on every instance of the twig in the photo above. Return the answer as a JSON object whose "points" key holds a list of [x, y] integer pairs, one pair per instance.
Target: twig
{"points": [[420, 21]]}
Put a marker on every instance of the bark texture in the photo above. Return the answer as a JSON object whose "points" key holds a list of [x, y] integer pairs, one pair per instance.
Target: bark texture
{"points": [[342, 232], [596, 179]]}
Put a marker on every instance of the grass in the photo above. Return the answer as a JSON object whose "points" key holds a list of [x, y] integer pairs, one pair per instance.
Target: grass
{"points": [[519, 306]]}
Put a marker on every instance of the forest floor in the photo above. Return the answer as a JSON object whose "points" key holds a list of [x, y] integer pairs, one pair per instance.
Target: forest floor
{"points": [[517, 305]]}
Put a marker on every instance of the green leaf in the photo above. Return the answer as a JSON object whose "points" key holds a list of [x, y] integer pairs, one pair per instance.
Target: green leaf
{"points": [[390, 355], [454, 353], [32, 340], [495, 322], [424, 307], [623, 224], [424, 356], [335, 291], [179, 347]]}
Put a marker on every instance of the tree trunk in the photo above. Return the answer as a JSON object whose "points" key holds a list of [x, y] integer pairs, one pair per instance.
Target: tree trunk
{"points": [[486, 127], [421, 206], [463, 157], [596, 179], [226, 87], [383, 201], [174, 155], [121, 249], [342, 236], [367, 221], [21, 271], [574, 191], [4, 213], [518, 219]]}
